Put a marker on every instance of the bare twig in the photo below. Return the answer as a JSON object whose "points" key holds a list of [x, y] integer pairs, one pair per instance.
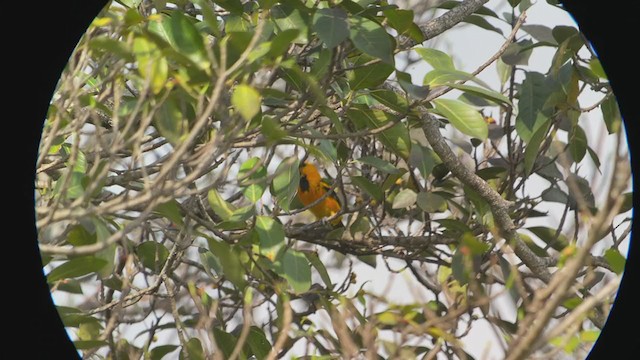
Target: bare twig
{"points": [[287, 316]]}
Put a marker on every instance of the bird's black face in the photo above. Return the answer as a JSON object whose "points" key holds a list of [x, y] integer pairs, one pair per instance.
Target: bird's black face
{"points": [[304, 183]]}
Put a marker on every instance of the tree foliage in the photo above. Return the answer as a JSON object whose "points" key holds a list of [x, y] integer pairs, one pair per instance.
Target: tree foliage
{"points": [[168, 171]]}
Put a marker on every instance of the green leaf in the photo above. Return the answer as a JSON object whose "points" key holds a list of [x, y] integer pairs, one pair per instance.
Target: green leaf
{"points": [[627, 203], [246, 100], [611, 114], [404, 199], [589, 335], [73, 317], [180, 32], [258, 343], [424, 159], [443, 76], [533, 95], [454, 226], [473, 245], [387, 318], [294, 267], [152, 255], [532, 245], [540, 32], [153, 67], [494, 172], [548, 235], [563, 32], [509, 279], [78, 236], [260, 50], [233, 6], [109, 253], [416, 91], [531, 152], [76, 267], [481, 22], [71, 286], [504, 71], [463, 117], [320, 66], [380, 164], [322, 270], [194, 349], [615, 260], [584, 192], [292, 15], [436, 58], [225, 341], [596, 67], [89, 344], [282, 41], [285, 182], [221, 207], [158, 352], [554, 194], [490, 95], [210, 17], [368, 76], [113, 282], [271, 235], [402, 21], [230, 260], [396, 138], [171, 211], [461, 267], [89, 331], [170, 120], [369, 187], [430, 202], [267, 4], [331, 25], [577, 143], [253, 180], [371, 260], [272, 130], [518, 53], [210, 262], [107, 45], [302, 81], [371, 38], [594, 157], [390, 99]]}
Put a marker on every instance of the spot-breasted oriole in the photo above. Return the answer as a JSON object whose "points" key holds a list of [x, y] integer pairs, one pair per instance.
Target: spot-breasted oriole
{"points": [[311, 188]]}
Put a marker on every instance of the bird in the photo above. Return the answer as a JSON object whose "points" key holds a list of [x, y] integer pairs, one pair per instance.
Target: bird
{"points": [[311, 188]]}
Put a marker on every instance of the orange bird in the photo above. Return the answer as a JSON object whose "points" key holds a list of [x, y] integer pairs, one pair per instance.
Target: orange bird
{"points": [[311, 188]]}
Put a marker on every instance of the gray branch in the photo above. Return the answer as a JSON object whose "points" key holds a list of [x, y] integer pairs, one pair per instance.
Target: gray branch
{"points": [[499, 206], [448, 20]]}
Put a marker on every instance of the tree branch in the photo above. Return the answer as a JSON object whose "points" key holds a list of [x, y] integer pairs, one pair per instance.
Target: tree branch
{"points": [[499, 206], [448, 20]]}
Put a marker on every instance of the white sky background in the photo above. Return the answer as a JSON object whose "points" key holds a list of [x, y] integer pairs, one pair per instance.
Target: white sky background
{"points": [[469, 46]]}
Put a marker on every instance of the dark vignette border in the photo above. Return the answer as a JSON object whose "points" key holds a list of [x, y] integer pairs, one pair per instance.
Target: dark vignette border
{"points": [[38, 43]]}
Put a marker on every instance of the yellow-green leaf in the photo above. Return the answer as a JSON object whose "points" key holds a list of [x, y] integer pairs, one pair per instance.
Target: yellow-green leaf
{"points": [[295, 268], [152, 65], [463, 117], [220, 206], [285, 182], [76, 267], [246, 100], [271, 236]]}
